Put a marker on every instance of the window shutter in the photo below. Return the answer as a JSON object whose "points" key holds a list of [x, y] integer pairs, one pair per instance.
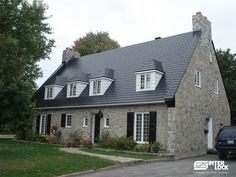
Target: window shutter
{"points": [[63, 120], [37, 124], [48, 123], [152, 126], [130, 124]]}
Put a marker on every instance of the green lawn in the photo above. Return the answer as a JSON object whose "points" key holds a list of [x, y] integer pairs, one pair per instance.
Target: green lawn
{"points": [[122, 153], [33, 160]]}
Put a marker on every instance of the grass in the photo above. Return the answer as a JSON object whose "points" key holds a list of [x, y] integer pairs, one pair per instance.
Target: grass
{"points": [[121, 153], [42, 160]]}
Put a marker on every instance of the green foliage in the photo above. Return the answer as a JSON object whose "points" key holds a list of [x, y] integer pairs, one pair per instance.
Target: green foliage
{"points": [[94, 42], [227, 64], [23, 42], [36, 160], [87, 143], [156, 147], [142, 148], [124, 143], [106, 141], [74, 139]]}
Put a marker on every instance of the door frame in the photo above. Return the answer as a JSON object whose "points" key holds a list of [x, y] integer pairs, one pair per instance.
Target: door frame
{"points": [[210, 134]]}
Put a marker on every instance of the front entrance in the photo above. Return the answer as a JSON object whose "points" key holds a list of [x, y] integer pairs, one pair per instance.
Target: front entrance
{"points": [[210, 134], [96, 127]]}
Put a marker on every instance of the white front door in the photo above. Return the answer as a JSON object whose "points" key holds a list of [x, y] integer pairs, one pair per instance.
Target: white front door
{"points": [[210, 134]]}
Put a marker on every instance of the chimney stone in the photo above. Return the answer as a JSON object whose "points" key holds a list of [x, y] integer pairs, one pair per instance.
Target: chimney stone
{"points": [[201, 22], [68, 53]]}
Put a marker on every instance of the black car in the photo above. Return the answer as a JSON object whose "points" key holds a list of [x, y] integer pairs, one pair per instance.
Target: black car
{"points": [[225, 141]]}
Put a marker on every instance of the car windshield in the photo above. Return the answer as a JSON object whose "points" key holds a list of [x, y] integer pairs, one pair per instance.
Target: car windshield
{"points": [[228, 132]]}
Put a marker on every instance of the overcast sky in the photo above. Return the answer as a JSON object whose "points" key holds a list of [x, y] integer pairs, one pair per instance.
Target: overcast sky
{"points": [[134, 21]]}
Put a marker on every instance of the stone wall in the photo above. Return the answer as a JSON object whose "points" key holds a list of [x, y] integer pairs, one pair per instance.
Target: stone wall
{"points": [[195, 105], [117, 116]]}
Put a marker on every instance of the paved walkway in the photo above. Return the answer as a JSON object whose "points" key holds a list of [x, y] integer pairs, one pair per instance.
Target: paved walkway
{"points": [[113, 158], [7, 136]]}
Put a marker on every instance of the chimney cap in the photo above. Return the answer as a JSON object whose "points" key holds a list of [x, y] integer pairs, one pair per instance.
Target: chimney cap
{"points": [[157, 38]]}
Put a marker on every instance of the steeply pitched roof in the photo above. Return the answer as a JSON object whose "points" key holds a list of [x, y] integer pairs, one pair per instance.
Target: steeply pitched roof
{"points": [[58, 80], [151, 65], [80, 76], [170, 54], [105, 72]]}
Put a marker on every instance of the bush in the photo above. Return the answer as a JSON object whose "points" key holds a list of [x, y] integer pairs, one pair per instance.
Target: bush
{"points": [[156, 147], [87, 143], [74, 139], [124, 143], [37, 138], [142, 148], [106, 141]]}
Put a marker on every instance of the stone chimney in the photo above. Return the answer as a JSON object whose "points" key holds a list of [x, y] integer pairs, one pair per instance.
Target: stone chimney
{"points": [[201, 22], [68, 53]]}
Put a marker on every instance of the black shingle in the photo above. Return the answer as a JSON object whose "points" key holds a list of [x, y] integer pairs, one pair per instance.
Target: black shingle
{"points": [[171, 55]]}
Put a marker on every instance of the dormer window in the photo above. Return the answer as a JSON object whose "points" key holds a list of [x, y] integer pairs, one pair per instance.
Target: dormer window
{"points": [[51, 91], [72, 89], [145, 81], [96, 87]]}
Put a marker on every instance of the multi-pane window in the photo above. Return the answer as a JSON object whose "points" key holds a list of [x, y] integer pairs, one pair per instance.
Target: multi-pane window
{"points": [[68, 120], [145, 80], [197, 78], [85, 122], [215, 86], [42, 127], [141, 129], [49, 92], [73, 89], [106, 122], [96, 87]]}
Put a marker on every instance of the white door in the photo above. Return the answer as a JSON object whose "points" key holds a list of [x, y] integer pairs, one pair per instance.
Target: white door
{"points": [[210, 135]]}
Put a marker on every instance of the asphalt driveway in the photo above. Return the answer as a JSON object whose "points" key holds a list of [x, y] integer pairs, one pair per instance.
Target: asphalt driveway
{"points": [[178, 168]]}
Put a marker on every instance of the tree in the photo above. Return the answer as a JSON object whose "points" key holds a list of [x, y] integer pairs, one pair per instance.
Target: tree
{"points": [[23, 42], [227, 64], [94, 43]]}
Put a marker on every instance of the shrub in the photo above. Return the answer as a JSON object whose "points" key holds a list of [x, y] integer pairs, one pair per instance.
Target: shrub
{"points": [[106, 141], [37, 138], [74, 139], [124, 143], [156, 147], [142, 148], [87, 143]]}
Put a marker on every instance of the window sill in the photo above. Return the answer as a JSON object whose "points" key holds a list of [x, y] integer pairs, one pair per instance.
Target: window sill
{"points": [[198, 86], [106, 127], [142, 142], [67, 126], [84, 126]]}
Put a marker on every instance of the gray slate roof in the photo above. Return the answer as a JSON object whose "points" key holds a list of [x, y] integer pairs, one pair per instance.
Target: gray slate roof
{"points": [[105, 72], [170, 54], [151, 65]]}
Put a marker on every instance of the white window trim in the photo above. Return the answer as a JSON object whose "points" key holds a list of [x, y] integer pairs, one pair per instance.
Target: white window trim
{"points": [[105, 123], [71, 89], [135, 123], [210, 57], [40, 124], [68, 126], [216, 90], [48, 95], [84, 124], [145, 82], [200, 78], [96, 88]]}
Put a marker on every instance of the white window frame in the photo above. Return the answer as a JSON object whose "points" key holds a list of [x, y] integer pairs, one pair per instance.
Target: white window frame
{"points": [[215, 86], [49, 92], [210, 57], [85, 122], [145, 83], [97, 87], [73, 89], [197, 78], [142, 129], [42, 130], [67, 117], [106, 122]]}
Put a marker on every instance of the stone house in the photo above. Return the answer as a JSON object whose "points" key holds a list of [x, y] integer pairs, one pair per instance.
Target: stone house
{"points": [[168, 90]]}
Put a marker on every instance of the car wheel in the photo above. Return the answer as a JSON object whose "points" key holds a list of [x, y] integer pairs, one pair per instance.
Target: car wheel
{"points": [[222, 156]]}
